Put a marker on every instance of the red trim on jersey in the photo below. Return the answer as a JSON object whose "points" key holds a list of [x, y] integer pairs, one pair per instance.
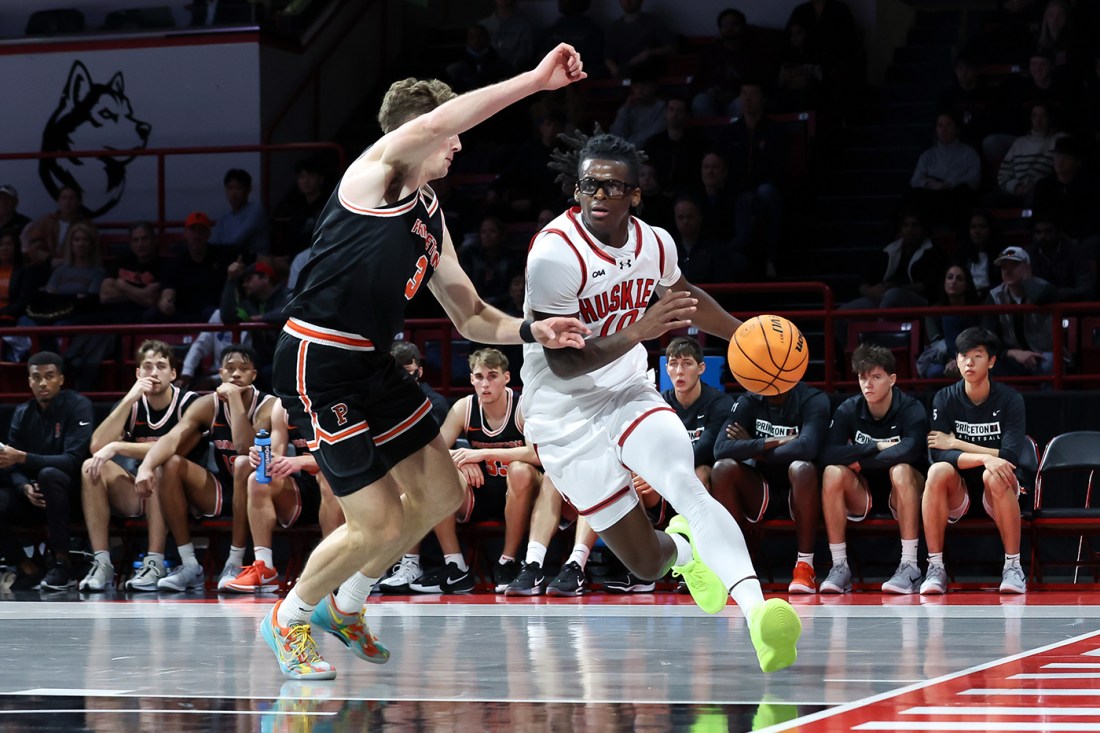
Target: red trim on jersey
{"points": [[572, 214], [326, 336], [404, 425], [661, 247], [606, 502], [396, 210], [580, 258], [638, 242], [638, 420], [435, 200], [319, 433]]}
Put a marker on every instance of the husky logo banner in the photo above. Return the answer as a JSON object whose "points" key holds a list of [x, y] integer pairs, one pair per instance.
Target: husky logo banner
{"points": [[92, 117]]}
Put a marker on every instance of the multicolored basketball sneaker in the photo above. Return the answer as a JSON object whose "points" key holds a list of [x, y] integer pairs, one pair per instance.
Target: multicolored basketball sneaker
{"points": [[351, 629], [706, 588], [295, 649]]}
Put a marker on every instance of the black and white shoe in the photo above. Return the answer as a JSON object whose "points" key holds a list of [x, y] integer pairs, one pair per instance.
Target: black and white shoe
{"points": [[570, 581], [530, 581], [448, 579], [628, 583], [59, 577], [503, 574]]}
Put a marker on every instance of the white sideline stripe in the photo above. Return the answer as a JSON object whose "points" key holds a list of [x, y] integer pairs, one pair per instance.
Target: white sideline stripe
{"points": [[1093, 653], [980, 726], [994, 710], [72, 692], [1056, 676], [1071, 665], [169, 711], [1057, 692], [864, 702]]}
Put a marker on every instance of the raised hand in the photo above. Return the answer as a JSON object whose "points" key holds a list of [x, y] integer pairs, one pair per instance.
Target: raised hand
{"points": [[560, 67]]}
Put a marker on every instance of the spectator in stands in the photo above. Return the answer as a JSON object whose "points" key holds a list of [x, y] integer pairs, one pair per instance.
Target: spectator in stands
{"points": [[977, 447], [1016, 116], [1070, 194], [243, 229], [575, 27], [296, 493], [13, 293], [1054, 34], [479, 65], [1028, 337], [835, 39], [53, 227], [642, 115], [10, 218], [723, 65], [151, 407], [702, 408], [47, 441], [978, 250], [875, 457], [72, 290], [512, 34], [1061, 261], [231, 416], [677, 151], [296, 217], [759, 158], [407, 355], [907, 273], [718, 196], [133, 289], [947, 177], [637, 38], [192, 288], [938, 359], [265, 300], [202, 363], [656, 203], [768, 448], [527, 182], [801, 74], [35, 273], [970, 101], [488, 259], [703, 258]]}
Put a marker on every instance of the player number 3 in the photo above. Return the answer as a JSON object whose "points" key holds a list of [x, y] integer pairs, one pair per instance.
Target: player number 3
{"points": [[413, 283]]}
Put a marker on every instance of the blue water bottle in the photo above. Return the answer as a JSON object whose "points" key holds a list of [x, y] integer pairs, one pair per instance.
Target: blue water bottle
{"points": [[263, 444]]}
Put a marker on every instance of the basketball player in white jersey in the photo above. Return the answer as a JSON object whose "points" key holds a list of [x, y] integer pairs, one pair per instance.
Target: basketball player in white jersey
{"points": [[594, 416]]}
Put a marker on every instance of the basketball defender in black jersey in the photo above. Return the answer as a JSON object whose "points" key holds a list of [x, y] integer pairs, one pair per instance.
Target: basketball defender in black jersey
{"points": [[149, 410], [231, 417], [379, 241]]}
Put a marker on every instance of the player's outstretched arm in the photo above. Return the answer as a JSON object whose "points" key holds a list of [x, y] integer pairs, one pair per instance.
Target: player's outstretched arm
{"points": [[400, 152], [478, 321], [709, 316]]}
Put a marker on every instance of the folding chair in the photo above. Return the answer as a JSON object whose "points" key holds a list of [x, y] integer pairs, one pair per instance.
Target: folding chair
{"points": [[1065, 506]]}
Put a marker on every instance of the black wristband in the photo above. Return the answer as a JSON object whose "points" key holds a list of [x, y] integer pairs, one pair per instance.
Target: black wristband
{"points": [[525, 333]]}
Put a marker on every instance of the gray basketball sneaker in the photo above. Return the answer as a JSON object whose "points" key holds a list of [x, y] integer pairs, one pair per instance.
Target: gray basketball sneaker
{"points": [[838, 581], [906, 580]]}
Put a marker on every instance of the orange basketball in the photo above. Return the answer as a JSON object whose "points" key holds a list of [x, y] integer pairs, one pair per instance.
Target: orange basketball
{"points": [[768, 355]]}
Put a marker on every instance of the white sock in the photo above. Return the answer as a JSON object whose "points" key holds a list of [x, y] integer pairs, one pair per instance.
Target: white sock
{"points": [[187, 555], [935, 559], [684, 555], [458, 559], [505, 559], [103, 557], [909, 551], [839, 551], [236, 556], [353, 593], [580, 555], [156, 556], [806, 557], [536, 552], [747, 595], [1012, 560], [293, 610], [263, 554], [414, 558]]}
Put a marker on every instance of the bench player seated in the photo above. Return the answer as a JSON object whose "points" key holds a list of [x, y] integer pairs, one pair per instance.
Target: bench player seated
{"points": [[874, 457], [767, 457], [501, 472], [231, 416], [151, 408], [977, 443], [297, 493]]}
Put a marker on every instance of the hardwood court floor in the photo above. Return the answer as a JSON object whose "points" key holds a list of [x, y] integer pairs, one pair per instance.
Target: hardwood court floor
{"points": [[971, 661]]}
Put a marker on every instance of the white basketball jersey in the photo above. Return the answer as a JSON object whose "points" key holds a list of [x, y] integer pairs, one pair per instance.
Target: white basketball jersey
{"points": [[570, 272]]}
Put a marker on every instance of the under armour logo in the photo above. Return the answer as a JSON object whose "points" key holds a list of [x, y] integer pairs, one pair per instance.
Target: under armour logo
{"points": [[341, 412], [623, 264]]}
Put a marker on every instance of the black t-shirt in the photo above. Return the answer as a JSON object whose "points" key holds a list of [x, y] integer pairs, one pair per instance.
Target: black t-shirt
{"points": [[703, 419], [804, 413], [855, 433], [999, 422], [198, 285]]}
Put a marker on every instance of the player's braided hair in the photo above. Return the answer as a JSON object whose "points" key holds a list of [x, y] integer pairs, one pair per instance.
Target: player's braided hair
{"points": [[581, 147]]}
